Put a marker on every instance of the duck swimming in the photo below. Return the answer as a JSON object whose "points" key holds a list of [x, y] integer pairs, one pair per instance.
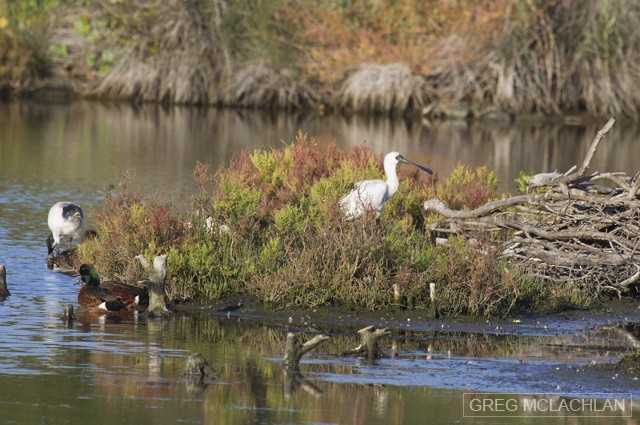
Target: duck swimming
{"points": [[131, 297]]}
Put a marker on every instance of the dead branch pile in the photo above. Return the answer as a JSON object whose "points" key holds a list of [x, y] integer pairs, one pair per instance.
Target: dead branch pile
{"points": [[574, 227]]}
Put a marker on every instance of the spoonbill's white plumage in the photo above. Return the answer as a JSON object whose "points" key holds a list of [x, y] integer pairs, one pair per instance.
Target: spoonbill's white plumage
{"points": [[370, 195], [65, 219]]}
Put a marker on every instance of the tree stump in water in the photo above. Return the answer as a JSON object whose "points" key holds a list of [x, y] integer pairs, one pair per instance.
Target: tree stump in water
{"points": [[197, 365], [155, 285], [570, 227], [294, 349], [68, 314], [198, 372], [4, 291], [368, 347]]}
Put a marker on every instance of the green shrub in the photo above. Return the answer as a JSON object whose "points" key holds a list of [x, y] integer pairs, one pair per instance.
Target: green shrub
{"points": [[129, 225], [276, 233]]}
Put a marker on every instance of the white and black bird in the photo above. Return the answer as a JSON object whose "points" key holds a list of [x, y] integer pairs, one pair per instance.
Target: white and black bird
{"points": [[65, 219], [370, 195]]}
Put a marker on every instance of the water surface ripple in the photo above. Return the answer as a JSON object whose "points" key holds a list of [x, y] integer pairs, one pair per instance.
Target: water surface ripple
{"points": [[125, 369]]}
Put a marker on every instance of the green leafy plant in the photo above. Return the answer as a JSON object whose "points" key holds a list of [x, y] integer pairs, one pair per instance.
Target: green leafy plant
{"points": [[268, 226]]}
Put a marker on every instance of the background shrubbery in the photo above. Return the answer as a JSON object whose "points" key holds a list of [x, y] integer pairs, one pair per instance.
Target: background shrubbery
{"points": [[268, 227], [535, 56]]}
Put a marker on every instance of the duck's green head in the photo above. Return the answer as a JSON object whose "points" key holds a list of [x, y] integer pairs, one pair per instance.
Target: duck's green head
{"points": [[89, 275]]}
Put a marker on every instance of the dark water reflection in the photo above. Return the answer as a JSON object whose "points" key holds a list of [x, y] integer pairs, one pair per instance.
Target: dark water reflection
{"points": [[128, 370], [80, 148]]}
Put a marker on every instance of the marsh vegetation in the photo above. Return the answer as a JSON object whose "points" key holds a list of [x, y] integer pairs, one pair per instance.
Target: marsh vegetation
{"points": [[541, 57], [268, 227]]}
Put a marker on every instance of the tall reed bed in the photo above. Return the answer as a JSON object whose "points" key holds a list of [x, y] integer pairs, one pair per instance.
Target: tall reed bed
{"points": [[524, 56], [537, 56]]}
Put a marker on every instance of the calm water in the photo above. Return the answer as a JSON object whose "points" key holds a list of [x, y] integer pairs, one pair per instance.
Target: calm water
{"points": [[128, 370]]}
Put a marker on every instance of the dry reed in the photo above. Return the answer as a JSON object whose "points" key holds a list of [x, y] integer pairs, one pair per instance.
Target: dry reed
{"points": [[525, 57], [187, 64], [383, 88], [260, 86]]}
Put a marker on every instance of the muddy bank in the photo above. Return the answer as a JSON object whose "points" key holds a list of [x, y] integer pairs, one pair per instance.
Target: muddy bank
{"points": [[609, 313], [568, 352]]}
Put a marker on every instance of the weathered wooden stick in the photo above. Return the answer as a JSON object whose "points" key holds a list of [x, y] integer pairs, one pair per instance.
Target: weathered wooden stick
{"points": [[68, 315], [294, 349], [368, 347], [562, 235], [4, 291], [551, 179], [158, 271], [437, 206], [635, 185], [592, 150], [434, 313], [631, 280]]}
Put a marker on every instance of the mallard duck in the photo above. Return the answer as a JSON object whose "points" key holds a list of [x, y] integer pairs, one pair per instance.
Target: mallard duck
{"points": [[65, 219], [131, 296], [92, 297], [67, 260]]}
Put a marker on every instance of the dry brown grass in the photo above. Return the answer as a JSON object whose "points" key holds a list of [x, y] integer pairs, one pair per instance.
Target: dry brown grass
{"points": [[383, 88], [260, 86], [538, 56], [428, 36], [186, 64], [548, 57]]}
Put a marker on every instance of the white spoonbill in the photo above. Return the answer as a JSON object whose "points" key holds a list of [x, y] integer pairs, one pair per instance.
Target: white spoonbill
{"points": [[65, 219], [369, 195]]}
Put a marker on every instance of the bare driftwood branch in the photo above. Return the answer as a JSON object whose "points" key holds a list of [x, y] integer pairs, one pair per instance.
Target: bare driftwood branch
{"points": [[155, 285], [294, 349], [555, 179], [368, 347], [631, 280], [569, 227]]}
